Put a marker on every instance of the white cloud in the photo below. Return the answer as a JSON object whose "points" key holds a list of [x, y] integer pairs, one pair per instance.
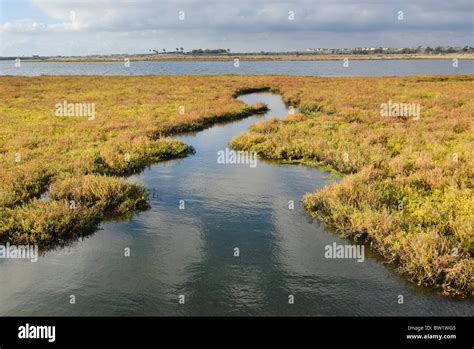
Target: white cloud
{"points": [[22, 26], [256, 15], [241, 24]]}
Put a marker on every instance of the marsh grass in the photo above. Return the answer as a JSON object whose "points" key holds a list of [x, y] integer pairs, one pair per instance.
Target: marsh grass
{"points": [[389, 160], [408, 185], [75, 206], [121, 159], [77, 160]]}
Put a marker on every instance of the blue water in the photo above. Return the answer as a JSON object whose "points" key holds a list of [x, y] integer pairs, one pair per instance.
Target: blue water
{"points": [[312, 68]]}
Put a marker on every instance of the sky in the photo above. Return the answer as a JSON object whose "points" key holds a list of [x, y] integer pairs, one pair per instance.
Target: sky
{"points": [[84, 27]]}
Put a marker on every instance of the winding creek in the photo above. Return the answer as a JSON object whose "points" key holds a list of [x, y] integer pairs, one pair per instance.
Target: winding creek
{"points": [[190, 252]]}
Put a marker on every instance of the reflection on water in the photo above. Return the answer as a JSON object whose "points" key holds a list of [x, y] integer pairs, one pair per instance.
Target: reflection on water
{"points": [[190, 251]]}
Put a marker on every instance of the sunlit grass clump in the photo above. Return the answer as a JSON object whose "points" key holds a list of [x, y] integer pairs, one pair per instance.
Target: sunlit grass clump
{"points": [[139, 153], [73, 208]]}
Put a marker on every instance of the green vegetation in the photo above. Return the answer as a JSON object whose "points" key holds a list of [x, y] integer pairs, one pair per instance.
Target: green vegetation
{"points": [[123, 159], [407, 189], [75, 207], [76, 160], [354, 53]]}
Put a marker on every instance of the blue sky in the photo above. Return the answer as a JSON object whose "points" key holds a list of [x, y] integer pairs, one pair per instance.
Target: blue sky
{"points": [[81, 27], [13, 10]]}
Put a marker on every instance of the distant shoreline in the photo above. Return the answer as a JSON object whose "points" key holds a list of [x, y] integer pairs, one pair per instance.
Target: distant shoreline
{"points": [[250, 57]]}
